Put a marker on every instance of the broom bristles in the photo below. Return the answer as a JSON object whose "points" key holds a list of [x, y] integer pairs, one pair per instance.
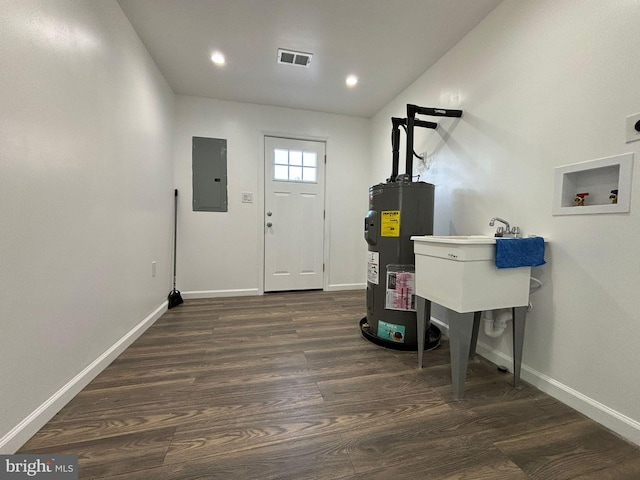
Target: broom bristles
{"points": [[174, 298]]}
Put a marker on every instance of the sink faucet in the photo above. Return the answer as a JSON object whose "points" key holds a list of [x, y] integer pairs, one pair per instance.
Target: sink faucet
{"points": [[493, 221], [507, 230]]}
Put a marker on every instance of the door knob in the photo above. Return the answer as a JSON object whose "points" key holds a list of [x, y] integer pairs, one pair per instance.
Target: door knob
{"points": [[269, 214], [269, 224]]}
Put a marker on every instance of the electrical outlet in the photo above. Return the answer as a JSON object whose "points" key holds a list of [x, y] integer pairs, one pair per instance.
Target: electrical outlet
{"points": [[247, 197], [153, 269], [633, 128]]}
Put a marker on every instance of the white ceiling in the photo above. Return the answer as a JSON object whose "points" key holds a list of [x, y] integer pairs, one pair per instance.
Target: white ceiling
{"points": [[388, 44]]}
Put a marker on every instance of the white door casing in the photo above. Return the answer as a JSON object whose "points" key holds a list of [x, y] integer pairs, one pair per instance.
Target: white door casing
{"points": [[294, 214]]}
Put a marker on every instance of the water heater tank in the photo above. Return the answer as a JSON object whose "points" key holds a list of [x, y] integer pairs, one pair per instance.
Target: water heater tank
{"points": [[397, 210]]}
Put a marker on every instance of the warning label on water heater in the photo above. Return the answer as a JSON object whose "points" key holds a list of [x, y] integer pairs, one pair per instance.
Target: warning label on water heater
{"points": [[390, 223], [400, 291], [373, 268]]}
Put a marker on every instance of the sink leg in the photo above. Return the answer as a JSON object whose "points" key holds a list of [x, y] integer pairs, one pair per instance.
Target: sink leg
{"points": [[423, 314], [519, 320], [474, 335], [461, 328]]}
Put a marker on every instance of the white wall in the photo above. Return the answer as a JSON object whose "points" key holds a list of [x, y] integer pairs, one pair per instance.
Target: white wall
{"points": [[220, 253], [85, 200], [546, 83]]}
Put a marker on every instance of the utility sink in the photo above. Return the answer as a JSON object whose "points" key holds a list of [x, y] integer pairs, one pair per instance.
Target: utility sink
{"points": [[459, 238], [459, 273]]}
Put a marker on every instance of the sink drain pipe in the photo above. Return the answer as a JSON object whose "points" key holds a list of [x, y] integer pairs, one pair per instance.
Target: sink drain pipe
{"points": [[494, 327]]}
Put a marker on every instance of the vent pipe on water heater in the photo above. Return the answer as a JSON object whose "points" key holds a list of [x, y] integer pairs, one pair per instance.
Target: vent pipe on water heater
{"points": [[412, 111]]}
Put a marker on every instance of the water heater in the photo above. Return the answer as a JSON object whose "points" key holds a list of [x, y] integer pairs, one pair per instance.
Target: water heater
{"points": [[398, 209]]}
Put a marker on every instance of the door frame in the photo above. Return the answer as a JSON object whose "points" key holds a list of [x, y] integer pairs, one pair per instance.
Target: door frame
{"points": [[260, 204]]}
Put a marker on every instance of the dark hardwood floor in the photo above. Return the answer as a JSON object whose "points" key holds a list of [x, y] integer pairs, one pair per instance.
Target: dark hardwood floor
{"points": [[283, 386]]}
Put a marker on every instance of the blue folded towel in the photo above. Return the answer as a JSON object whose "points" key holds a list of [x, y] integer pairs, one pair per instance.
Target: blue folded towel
{"points": [[519, 252]]}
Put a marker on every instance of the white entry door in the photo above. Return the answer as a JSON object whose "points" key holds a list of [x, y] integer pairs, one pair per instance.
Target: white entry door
{"points": [[294, 214]]}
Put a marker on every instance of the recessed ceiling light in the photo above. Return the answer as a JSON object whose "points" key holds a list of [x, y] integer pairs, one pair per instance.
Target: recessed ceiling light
{"points": [[218, 58], [351, 81]]}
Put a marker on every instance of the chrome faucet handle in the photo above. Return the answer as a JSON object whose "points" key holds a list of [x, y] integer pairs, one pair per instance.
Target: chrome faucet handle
{"points": [[500, 230]]}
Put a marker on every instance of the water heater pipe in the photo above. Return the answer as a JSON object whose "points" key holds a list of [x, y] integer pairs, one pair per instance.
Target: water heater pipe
{"points": [[396, 123], [412, 111], [395, 145]]}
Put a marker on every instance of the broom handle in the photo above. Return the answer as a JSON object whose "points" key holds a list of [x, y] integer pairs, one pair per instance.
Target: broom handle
{"points": [[175, 237]]}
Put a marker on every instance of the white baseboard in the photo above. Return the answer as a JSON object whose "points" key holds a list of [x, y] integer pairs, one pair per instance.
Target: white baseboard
{"points": [[242, 292], [617, 422], [255, 291], [239, 292], [346, 286], [29, 426], [613, 420], [444, 328]]}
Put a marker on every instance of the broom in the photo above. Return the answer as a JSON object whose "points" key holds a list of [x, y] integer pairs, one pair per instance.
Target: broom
{"points": [[174, 297]]}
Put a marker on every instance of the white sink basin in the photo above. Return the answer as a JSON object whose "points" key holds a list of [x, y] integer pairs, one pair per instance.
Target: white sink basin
{"points": [[459, 239], [459, 272]]}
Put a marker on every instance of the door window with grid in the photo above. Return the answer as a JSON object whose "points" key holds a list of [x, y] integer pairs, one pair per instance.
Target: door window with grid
{"points": [[295, 166]]}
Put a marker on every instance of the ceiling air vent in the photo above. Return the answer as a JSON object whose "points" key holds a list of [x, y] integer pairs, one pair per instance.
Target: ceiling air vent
{"points": [[290, 57]]}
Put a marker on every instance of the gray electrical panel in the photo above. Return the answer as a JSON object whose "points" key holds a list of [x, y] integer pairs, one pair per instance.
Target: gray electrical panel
{"points": [[209, 164]]}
